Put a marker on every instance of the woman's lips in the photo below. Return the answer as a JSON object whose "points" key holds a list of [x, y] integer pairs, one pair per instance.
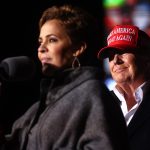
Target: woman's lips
{"points": [[45, 60]]}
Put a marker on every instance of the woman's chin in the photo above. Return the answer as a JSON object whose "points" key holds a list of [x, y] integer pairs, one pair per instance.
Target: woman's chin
{"points": [[49, 70]]}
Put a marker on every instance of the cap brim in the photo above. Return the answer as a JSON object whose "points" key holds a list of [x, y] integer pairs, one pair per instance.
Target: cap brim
{"points": [[103, 53]]}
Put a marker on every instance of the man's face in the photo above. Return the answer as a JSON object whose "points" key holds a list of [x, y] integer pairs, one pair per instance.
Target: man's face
{"points": [[124, 67]]}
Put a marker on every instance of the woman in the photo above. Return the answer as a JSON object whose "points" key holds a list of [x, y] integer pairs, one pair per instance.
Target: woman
{"points": [[75, 110]]}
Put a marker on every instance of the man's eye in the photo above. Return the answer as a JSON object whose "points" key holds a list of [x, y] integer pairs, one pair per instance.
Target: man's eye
{"points": [[111, 56]]}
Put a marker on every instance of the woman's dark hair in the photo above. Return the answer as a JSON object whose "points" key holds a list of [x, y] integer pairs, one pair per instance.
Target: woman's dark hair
{"points": [[80, 26]]}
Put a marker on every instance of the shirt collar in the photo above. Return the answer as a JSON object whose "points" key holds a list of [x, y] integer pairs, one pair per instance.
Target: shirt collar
{"points": [[118, 94], [138, 93]]}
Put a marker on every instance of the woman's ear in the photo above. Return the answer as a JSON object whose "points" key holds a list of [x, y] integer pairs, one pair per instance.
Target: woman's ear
{"points": [[80, 49]]}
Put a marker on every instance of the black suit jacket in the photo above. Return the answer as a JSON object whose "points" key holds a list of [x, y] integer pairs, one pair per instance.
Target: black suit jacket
{"points": [[139, 126]]}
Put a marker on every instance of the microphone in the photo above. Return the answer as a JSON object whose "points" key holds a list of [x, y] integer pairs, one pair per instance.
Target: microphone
{"points": [[20, 68]]}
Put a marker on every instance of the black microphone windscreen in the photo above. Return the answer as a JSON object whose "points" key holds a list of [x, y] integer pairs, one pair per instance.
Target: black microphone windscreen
{"points": [[18, 68]]}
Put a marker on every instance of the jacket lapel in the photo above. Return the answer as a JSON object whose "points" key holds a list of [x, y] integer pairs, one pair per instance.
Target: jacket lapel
{"points": [[115, 97], [142, 113]]}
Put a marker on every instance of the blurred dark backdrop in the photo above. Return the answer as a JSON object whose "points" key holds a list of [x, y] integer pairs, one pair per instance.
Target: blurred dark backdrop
{"points": [[19, 34]]}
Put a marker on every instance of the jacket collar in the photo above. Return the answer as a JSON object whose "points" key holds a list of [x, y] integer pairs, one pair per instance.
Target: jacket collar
{"points": [[67, 80]]}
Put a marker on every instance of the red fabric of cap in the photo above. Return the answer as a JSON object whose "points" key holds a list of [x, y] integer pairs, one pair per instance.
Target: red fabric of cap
{"points": [[120, 38]]}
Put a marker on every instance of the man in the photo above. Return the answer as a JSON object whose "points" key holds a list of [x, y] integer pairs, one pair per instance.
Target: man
{"points": [[128, 52]]}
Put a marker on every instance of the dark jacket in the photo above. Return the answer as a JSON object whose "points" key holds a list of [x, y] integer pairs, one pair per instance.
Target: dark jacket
{"points": [[78, 114], [139, 126]]}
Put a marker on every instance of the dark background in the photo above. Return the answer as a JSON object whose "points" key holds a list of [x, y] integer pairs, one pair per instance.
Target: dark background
{"points": [[19, 34]]}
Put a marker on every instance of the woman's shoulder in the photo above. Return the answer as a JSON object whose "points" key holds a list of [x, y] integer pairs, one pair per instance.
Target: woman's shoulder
{"points": [[88, 72], [27, 116]]}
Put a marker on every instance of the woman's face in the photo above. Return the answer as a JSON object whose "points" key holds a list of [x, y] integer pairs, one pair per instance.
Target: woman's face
{"points": [[55, 50]]}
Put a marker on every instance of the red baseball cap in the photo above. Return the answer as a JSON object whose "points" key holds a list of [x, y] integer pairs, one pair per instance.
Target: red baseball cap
{"points": [[126, 38]]}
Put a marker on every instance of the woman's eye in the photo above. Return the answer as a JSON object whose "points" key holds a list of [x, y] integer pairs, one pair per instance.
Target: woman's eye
{"points": [[51, 40]]}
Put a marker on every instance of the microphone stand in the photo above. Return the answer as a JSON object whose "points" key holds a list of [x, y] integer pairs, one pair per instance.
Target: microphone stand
{"points": [[0, 88], [2, 129]]}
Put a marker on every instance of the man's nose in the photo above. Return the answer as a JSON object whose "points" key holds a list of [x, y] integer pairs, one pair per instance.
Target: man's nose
{"points": [[117, 59]]}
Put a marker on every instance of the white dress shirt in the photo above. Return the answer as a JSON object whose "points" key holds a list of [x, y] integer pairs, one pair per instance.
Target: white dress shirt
{"points": [[138, 97]]}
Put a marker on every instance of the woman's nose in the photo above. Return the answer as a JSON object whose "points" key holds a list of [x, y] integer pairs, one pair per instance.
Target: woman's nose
{"points": [[42, 49]]}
